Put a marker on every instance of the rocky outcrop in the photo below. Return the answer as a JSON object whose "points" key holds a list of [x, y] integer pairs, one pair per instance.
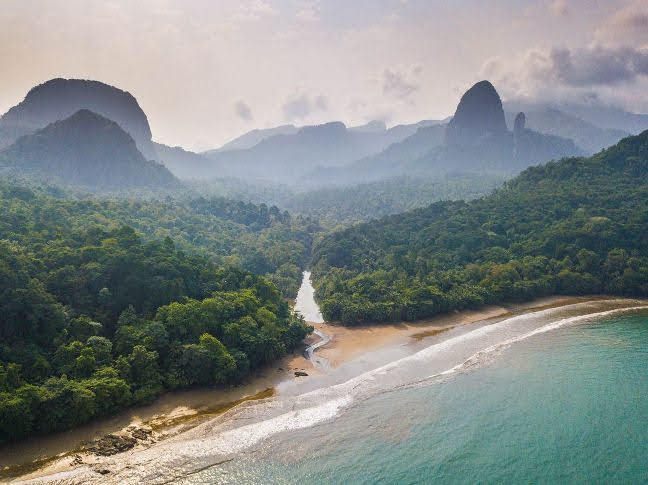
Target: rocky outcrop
{"points": [[519, 124], [479, 115], [58, 99], [86, 150]]}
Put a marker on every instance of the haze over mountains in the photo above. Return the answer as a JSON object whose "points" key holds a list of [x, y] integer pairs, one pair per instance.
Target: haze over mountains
{"points": [[85, 150], [481, 136], [59, 98]]}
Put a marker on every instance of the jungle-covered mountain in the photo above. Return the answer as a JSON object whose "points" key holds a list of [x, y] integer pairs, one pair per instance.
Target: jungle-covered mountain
{"points": [[574, 226], [85, 150]]}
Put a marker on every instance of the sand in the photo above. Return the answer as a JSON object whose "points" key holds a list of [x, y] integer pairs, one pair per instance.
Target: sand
{"points": [[176, 412]]}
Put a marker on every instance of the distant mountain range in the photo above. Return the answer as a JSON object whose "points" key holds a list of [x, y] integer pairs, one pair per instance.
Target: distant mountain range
{"points": [[480, 136], [85, 150], [288, 157], [553, 121], [475, 140]]}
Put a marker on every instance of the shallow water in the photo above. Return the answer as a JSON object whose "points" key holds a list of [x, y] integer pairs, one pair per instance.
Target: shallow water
{"points": [[565, 405], [526, 396], [305, 301]]}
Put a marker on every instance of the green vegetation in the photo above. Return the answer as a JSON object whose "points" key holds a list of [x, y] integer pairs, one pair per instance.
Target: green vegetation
{"points": [[105, 303], [577, 226], [389, 196], [335, 205]]}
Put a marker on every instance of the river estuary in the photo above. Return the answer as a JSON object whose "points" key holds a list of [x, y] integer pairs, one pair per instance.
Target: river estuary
{"points": [[553, 395]]}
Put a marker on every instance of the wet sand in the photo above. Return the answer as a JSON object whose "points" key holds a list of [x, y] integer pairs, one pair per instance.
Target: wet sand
{"points": [[175, 413]]}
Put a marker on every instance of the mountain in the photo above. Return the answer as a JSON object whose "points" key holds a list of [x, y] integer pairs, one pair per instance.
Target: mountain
{"points": [[574, 226], [479, 115], [251, 138], [286, 158], [553, 121], [86, 150], [182, 163], [609, 117], [374, 126], [388, 163], [475, 140], [58, 99]]}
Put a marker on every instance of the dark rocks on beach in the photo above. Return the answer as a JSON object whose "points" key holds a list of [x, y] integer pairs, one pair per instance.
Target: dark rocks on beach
{"points": [[140, 434], [299, 373], [111, 444]]}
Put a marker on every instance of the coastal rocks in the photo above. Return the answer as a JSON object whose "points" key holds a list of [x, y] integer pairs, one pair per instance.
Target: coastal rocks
{"points": [[114, 443], [111, 444]]}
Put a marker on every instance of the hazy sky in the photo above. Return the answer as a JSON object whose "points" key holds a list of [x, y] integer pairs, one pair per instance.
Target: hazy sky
{"points": [[205, 71]]}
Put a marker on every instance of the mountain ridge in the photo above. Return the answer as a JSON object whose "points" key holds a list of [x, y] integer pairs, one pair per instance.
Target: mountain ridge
{"points": [[89, 150]]}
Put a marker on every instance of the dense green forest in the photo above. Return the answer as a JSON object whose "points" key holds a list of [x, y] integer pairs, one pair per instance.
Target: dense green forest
{"points": [[107, 303], [260, 239], [342, 205], [576, 226]]}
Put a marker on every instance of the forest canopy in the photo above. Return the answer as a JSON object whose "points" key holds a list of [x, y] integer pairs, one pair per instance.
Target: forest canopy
{"points": [[575, 226], [96, 315]]}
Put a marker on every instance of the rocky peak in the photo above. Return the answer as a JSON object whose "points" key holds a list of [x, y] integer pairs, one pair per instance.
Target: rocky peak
{"points": [[479, 114]]}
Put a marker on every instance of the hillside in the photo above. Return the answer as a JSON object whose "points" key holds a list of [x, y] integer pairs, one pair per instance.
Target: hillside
{"points": [[106, 304], [390, 162], [575, 226], [86, 150], [253, 137], [182, 163], [58, 99], [287, 158]]}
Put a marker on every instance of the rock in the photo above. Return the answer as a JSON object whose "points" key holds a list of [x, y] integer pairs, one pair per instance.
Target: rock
{"points": [[299, 373], [103, 471], [520, 123], [76, 461], [111, 444], [140, 433], [479, 114]]}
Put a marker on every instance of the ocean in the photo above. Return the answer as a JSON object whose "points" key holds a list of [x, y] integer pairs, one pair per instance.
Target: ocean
{"points": [[567, 404]]}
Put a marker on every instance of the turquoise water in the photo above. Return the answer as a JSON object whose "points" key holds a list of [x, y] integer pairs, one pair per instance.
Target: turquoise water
{"points": [[566, 406]]}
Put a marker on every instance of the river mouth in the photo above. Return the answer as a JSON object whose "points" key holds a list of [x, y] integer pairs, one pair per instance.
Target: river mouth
{"points": [[305, 404], [173, 412]]}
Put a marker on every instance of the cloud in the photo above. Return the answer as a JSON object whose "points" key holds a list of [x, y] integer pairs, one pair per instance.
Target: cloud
{"points": [[588, 67], [559, 8], [301, 106], [308, 11], [398, 85], [628, 25], [321, 102], [592, 66], [243, 111]]}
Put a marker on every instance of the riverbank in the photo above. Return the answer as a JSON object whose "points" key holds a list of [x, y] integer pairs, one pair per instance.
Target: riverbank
{"points": [[364, 347]]}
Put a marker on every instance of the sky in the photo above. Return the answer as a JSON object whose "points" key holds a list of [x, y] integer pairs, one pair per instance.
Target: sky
{"points": [[205, 71]]}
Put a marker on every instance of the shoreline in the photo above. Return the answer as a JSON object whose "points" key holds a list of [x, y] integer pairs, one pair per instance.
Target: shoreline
{"points": [[347, 345]]}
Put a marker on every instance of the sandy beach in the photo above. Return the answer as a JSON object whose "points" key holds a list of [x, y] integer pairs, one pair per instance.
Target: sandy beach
{"points": [[173, 414]]}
